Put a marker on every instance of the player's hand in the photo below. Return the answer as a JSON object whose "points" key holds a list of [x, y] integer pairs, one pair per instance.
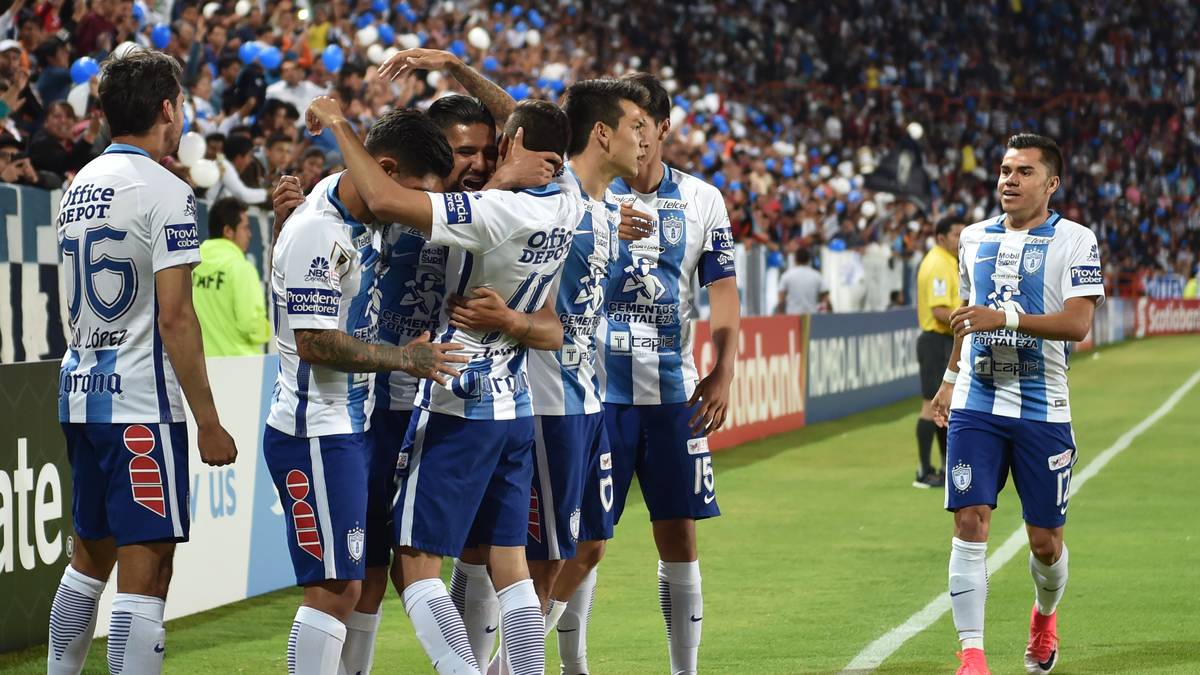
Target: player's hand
{"points": [[941, 404], [484, 312], [634, 224], [524, 168], [216, 445], [712, 394], [975, 319], [422, 358], [322, 113], [407, 61], [286, 198]]}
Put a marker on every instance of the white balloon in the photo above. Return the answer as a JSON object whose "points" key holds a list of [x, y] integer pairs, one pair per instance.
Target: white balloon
{"points": [[825, 171], [205, 173], [479, 38], [698, 137], [124, 49], [533, 38], [667, 72], [390, 52], [375, 53], [191, 148], [841, 185], [635, 62], [210, 9], [868, 209], [670, 85], [367, 36], [409, 41], [433, 79], [712, 101], [678, 115], [78, 98], [846, 168], [915, 130], [242, 8]]}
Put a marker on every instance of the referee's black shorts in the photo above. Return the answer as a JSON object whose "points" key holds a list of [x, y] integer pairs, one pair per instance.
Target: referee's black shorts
{"points": [[933, 354]]}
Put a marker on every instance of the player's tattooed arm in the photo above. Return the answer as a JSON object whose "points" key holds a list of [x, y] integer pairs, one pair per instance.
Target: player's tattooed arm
{"points": [[337, 350], [493, 97]]}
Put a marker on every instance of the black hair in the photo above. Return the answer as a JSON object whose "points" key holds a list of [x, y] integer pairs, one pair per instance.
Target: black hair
{"points": [[458, 109], [236, 146], [592, 101], [48, 49], [225, 212], [215, 136], [313, 152], [1052, 155], [9, 141], [803, 256], [946, 224], [226, 61], [413, 140], [278, 138], [134, 87], [546, 126], [659, 103], [274, 105]]}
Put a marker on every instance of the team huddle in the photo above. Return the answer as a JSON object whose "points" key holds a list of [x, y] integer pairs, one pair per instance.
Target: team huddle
{"points": [[484, 327]]}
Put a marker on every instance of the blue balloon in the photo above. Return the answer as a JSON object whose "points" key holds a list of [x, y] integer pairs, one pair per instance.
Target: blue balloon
{"points": [[515, 11], [789, 170], [735, 185], [379, 6], [160, 37], [366, 19], [536, 19], [837, 245], [458, 48], [402, 7], [521, 26], [270, 58], [498, 28], [422, 38], [411, 17], [770, 164], [839, 206], [490, 64], [718, 180], [248, 52], [387, 34], [520, 91], [333, 58], [499, 8], [139, 13], [709, 160], [83, 69], [543, 83], [557, 86], [854, 196]]}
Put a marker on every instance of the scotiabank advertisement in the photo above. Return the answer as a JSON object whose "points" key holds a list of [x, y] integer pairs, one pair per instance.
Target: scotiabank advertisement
{"points": [[767, 395], [1166, 317]]}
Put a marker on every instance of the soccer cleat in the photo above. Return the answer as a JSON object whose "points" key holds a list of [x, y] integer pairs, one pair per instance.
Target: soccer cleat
{"points": [[1041, 655], [972, 662], [929, 480]]}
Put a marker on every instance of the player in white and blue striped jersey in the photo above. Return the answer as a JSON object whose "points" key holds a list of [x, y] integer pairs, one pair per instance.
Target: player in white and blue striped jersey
{"points": [[127, 234], [466, 464], [658, 409], [326, 268], [1030, 283]]}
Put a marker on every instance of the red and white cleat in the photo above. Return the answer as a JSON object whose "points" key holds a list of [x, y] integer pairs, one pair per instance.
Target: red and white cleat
{"points": [[973, 662], [1042, 653]]}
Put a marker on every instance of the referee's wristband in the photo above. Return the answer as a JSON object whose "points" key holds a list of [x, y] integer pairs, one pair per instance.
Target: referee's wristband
{"points": [[1012, 320], [950, 376]]}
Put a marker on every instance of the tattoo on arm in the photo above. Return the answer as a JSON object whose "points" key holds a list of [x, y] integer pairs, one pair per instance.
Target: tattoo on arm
{"points": [[493, 97], [337, 350]]}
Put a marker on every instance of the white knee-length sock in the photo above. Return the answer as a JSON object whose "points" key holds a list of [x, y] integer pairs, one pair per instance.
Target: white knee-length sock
{"points": [[358, 652], [315, 643], [968, 590], [72, 622], [136, 637], [475, 598], [682, 604], [523, 628], [1048, 582], [439, 627], [573, 625]]}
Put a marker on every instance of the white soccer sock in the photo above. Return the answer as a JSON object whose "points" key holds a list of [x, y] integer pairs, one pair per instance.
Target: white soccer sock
{"points": [[72, 622], [968, 590], [1049, 582], [500, 665], [572, 627], [136, 637], [523, 626], [475, 598], [554, 612], [439, 627], [359, 649], [682, 605], [315, 643]]}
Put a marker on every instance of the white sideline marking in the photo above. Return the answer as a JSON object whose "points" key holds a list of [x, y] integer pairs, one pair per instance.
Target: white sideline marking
{"points": [[878, 651]]}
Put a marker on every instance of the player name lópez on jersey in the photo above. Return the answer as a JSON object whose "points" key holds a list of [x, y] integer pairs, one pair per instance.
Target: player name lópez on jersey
{"points": [[647, 335], [565, 382], [514, 243], [324, 276], [123, 208], [1034, 272]]}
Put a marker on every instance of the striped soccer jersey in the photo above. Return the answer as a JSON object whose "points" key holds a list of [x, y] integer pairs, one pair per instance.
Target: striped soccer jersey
{"points": [[1034, 272], [123, 219], [646, 337], [324, 276]]}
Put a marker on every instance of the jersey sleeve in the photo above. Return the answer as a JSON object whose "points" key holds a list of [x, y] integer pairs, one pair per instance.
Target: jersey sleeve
{"points": [[1082, 275], [312, 290], [716, 259], [477, 221], [964, 278], [174, 239]]}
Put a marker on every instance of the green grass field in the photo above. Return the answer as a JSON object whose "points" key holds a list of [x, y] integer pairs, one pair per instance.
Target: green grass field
{"points": [[824, 547]]}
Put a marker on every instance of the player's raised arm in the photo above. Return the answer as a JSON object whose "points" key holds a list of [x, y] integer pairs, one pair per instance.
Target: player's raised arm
{"points": [[494, 98]]}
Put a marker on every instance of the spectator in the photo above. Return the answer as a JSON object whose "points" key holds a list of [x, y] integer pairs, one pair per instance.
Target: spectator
{"points": [[228, 69], [802, 289], [56, 149], [238, 156], [312, 168], [276, 158], [226, 288], [293, 88], [23, 119], [97, 31], [54, 82], [16, 169]]}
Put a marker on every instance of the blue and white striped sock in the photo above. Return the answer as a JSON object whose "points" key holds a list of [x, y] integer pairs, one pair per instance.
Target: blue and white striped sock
{"points": [[315, 643], [72, 622], [682, 604], [523, 628], [136, 637], [439, 627]]}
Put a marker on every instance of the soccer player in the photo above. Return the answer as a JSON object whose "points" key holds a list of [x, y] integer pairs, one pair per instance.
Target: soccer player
{"points": [[658, 410], [325, 284], [466, 464], [127, 233], [937, 296], [1030, 281]]}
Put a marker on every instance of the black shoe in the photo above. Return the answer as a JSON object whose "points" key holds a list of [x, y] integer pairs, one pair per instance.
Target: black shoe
{"points": [[929, 480]]}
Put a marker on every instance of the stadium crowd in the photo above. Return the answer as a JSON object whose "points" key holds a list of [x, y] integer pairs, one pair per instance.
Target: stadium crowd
{"points": [[784, 106]]}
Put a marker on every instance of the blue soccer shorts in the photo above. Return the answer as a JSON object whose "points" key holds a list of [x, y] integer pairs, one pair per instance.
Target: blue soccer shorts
{"points": [[129, 481], [983, 448], [322, 486], [387, 435], [571, 496], [463, 483], [672, 463]]}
